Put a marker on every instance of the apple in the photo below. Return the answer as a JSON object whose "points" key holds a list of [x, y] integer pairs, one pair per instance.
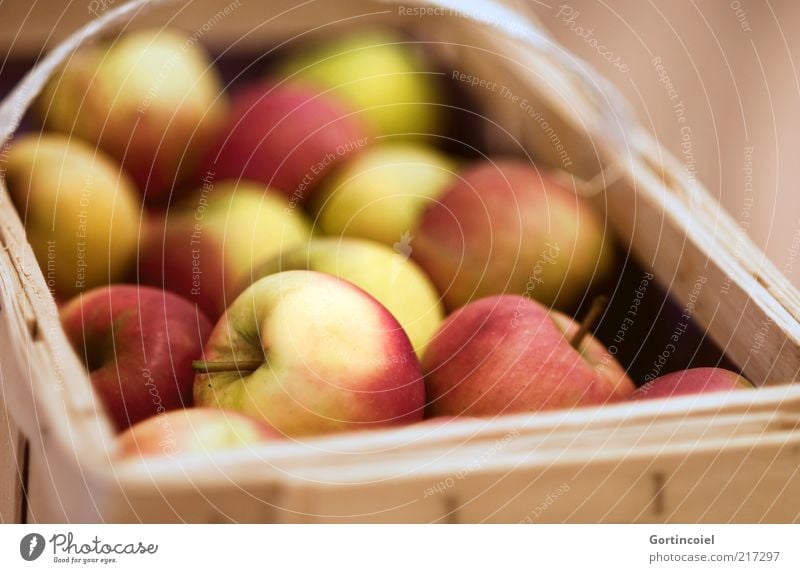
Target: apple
{"points": [[509, 354], [206, 246], [507, 227], [138, 344], [388, 275], [691, 381], [81, 212], [381, 193], [310, 353], [285, 136], [150, 98], [192, 430], [379, 74]]}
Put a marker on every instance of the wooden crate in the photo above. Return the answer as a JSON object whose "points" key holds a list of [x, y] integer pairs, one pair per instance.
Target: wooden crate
{"points": [[719, 457]]}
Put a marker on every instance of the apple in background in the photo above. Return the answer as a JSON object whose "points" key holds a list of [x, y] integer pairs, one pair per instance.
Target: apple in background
{"points": [[287, 137], [81, 212], [150, 98], [508, 354], [314, 354], [381, 194], [192, 430], [379, 74], [138, 344], [691, 381], [209, 244], [507, 227], [390, 276]]}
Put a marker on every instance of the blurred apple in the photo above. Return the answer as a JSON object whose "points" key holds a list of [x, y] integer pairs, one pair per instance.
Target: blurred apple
{"points": [[381, 194], [81, 212], [378, 73], [192, 430], [691, 381], [508, 354], [208, 245], [390, 276], [138, 344], [507, 227], [310, 353], [285, 136], [150, 98]]}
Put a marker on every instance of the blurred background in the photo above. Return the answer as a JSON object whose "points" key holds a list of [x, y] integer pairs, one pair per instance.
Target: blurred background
{"points": [[731, 65]]}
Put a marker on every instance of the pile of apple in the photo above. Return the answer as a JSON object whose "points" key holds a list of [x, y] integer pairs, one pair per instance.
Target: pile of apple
{"points": [[292, 256]]}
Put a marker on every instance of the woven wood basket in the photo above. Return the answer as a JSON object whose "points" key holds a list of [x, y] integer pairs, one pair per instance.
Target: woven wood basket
{"points": [[716, 458]]}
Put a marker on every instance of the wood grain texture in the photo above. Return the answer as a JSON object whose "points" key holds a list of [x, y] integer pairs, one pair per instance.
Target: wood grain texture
{"points": [[12, 446]]}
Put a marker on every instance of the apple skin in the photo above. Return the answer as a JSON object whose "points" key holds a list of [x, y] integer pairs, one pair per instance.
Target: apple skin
{"points": [[192, 430], [288, 137], [691, 381], [379, 75], [508, 354], [210, 243], [381, 193], [138, 344], [151, 99], [507, 227], [81, 212], [389, 276], [332, 358]]}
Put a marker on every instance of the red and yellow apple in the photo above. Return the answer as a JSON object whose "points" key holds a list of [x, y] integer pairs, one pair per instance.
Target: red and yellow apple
{"points": [[150, 98], [207, 246], [381, 193], [691, 381], [309, 353], [508, 354], [507, 227], [287, 137], [379, 74], [138, 344], [192, 430], [81, 212], [388, 275]]}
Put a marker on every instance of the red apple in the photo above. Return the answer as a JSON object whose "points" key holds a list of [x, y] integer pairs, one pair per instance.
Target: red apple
{"points": [[284, 136], [508, 354], [691, 381], [507, 227], [138, 344], [309, 354], [192, 430]]}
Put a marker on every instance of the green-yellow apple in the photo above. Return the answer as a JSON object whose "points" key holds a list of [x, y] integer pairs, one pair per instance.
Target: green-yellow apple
{"points": [[691, 381], [508, 354], [81, 211], [507, 227], [310, 353], [390, 276], [150, 98], [138, 344], [381, 193], [192, 430], [286, 136], [210, 243], [379, 74]]}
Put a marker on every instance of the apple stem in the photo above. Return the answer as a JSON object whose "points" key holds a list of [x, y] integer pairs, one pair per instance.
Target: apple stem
{"points": [[203, 367], [587, 324]]}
